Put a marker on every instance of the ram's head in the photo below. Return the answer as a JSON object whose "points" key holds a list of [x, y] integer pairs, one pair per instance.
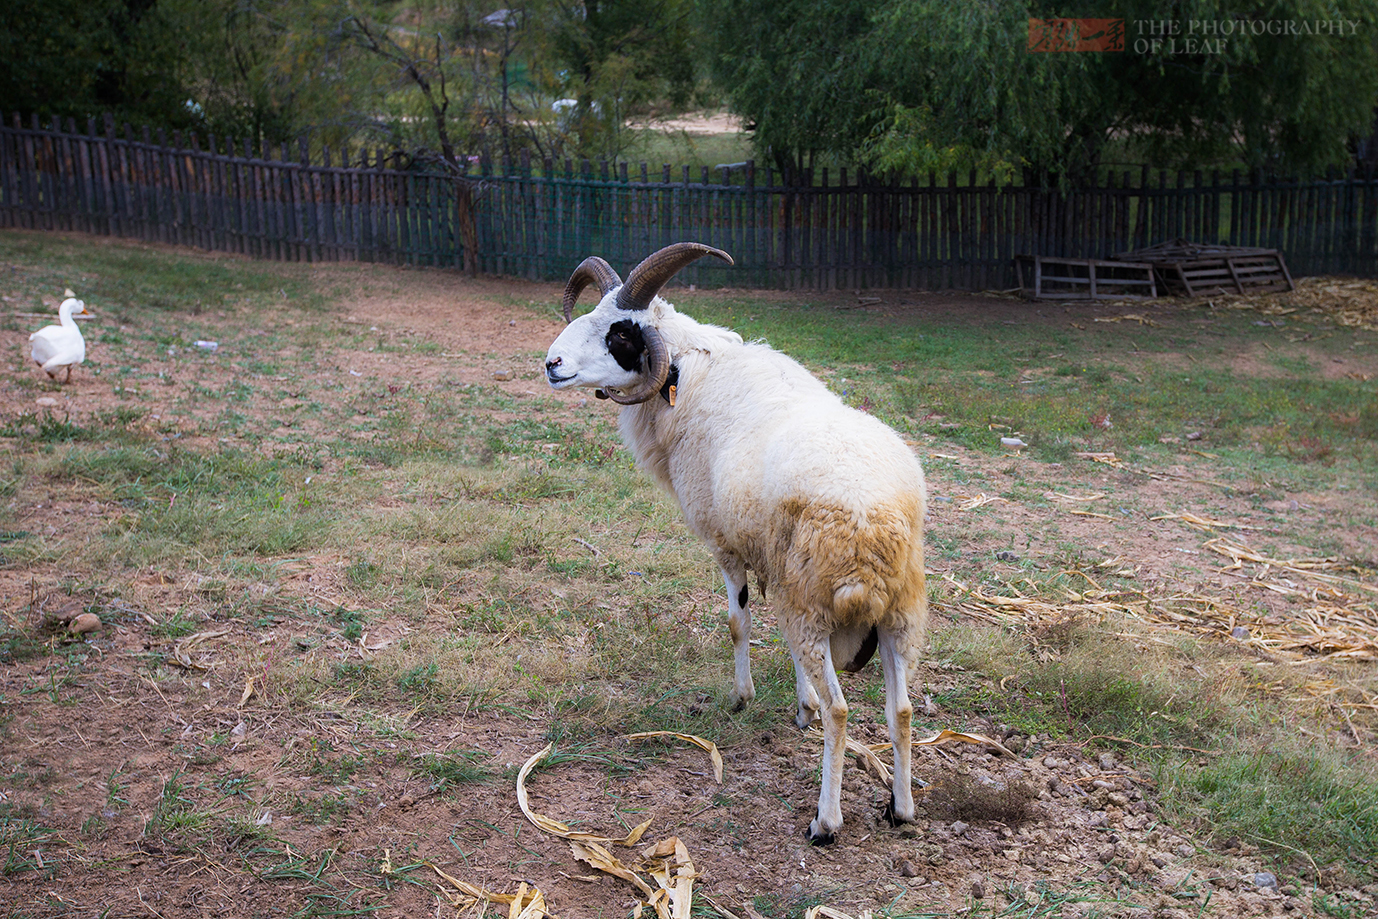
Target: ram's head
{"points": [[615, 349]]}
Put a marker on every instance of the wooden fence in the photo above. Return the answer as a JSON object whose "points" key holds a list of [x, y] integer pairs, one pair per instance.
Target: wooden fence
{"points": [[538, 221]]}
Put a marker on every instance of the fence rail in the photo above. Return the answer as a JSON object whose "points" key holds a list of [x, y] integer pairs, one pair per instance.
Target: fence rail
{"points": [[840, 230]]}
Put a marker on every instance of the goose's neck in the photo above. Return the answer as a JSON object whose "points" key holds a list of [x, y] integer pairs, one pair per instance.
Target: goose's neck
{"points": [[64, 315]]}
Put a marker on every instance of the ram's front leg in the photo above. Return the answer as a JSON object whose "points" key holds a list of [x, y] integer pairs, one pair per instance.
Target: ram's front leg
{"points": [[739, 624]]}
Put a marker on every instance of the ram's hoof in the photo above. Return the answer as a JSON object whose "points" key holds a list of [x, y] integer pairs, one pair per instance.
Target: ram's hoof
{"points": [[893, 817], [889, 812], [737, 701], [818, 837]]}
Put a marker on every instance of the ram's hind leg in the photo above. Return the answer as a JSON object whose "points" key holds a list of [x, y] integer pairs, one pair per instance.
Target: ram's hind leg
{"points": [[814, 658], [739, 624], [804, 693], [899, 715]]}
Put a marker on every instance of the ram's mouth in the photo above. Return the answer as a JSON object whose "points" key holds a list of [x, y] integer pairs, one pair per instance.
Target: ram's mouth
{"points": [[558, 381]]}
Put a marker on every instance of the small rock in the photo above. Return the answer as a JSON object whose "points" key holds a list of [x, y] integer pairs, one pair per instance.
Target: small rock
{"points": [[47, 401], [1007, 556], [1265, 880], [907, 869], [502, 376], [1194, 435], [86, 622], [1013, 442], [406, 801], [1239, 633], [978, 888], [959, 828], [1107, 762], [1185, 851]]}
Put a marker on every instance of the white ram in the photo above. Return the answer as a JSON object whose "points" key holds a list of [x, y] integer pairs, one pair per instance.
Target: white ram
{"points": [[777, 475]]}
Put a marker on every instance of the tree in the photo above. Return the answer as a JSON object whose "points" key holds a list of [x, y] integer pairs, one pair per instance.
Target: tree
{"points": [[912, 85], [795, 72], [77, 58], [620, 60]]}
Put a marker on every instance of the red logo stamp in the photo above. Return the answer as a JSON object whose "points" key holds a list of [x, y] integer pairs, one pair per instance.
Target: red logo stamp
{"points": [[1076, 34]]}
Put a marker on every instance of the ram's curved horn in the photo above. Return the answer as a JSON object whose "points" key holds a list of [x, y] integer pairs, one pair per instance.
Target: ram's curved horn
{"points": [[657, 370], [650, 276], [592, 270]]}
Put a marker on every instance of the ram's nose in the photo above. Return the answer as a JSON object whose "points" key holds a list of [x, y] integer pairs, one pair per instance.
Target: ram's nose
{"points": [[552, 371]]}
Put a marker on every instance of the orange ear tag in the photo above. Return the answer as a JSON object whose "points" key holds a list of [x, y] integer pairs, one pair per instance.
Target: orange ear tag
{"points": [[672, 395]]}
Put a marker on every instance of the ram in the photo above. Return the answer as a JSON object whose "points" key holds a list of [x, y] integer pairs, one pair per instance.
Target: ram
{"points": [[776, 475]]}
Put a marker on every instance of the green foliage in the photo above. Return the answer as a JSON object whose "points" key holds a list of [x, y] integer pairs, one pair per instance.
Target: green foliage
{"points": [[1310, 800], [20, 837], [977, 99], [461, 768], [908, 86], [434, 83], [75, 58], [620, 60], [791, 70]]}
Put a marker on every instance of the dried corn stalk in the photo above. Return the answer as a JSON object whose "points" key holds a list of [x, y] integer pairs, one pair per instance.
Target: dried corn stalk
{"points": [[527, 903], [667, 862], [181, 652], [971, 502], [1204, 523], [555, 827], [1323, 630], [827, 912], [706, 745], [1317, 568]]}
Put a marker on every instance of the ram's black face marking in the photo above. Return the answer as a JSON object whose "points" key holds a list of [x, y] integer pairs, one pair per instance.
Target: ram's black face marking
{"points": [[626, 344], [742, 596]]}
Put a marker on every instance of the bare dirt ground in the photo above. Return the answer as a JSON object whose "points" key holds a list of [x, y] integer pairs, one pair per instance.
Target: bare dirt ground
{"points": [[1091, 842]]}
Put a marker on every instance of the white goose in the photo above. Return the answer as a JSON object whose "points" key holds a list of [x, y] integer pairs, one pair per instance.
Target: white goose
{"points": [[58, 346]]}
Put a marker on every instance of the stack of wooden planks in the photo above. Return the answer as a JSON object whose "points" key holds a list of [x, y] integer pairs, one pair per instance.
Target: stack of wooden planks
{"points": [[1193, 269]]}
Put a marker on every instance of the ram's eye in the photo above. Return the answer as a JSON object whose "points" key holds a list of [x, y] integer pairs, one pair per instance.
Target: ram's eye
{"points": [[626, 344]]}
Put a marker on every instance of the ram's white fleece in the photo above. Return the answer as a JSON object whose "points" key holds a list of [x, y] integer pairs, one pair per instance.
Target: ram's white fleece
{"points": [[776, 474], [823, 501]]}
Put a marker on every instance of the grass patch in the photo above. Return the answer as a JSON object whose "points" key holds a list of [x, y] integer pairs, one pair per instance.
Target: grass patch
{"points": [[444, 771], [1308, 802], [409, 556]]}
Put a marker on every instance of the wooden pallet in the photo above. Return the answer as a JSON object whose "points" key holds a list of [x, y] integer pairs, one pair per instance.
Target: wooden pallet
{"points": [[1192, 270], [1045, 278]]}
